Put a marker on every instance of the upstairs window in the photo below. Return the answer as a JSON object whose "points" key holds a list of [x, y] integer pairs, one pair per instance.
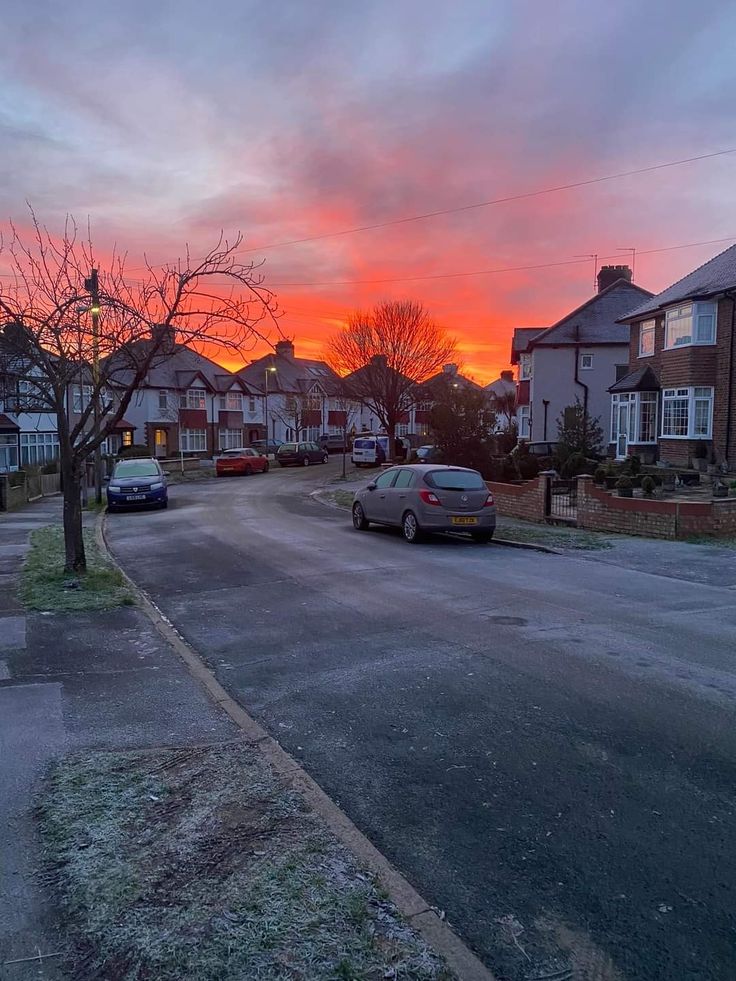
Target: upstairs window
{"points": [[525, 367], [232, 401], [193, 398], [692, 323], [163, 399], [646, 338], [586, 361]]}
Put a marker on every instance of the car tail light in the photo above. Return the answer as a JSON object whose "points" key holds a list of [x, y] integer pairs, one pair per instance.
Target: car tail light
{"points": [[429, 498], [489, 501]]}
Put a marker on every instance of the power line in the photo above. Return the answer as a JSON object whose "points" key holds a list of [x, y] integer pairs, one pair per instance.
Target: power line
{"points": [[480, 204]]}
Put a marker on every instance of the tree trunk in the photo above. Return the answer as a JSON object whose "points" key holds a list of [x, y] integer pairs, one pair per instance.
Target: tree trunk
{"points": [[74, 558]]}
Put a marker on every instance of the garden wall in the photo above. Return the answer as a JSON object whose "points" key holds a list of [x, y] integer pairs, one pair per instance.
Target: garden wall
{"points": [[525, 500]]}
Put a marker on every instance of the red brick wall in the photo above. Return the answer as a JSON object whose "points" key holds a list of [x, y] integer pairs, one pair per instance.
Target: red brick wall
{"points": [[525, 500], [600, 511]]}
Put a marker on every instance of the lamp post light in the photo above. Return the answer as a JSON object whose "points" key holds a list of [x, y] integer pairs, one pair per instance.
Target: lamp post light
{"points": [[269, 370]]}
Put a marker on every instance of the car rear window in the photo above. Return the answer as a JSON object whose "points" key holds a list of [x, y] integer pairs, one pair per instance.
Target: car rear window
{"points": [[136, 468], [455, 479], [363, 444], [289, 447]]}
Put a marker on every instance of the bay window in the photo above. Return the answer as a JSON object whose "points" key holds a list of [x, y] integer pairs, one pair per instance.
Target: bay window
{"points": [[232, 402], [192, 440], [633, 419], [231, 439], [691, 323], [687, 413], [38, 448], [646, 338]]}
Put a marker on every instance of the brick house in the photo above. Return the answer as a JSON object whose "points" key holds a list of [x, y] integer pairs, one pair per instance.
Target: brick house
{"points": [[189, 404], [578, 357], [679, 392]]}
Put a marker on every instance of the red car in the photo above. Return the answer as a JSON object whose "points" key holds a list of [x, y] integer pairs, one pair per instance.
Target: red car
{"points": [[241, 461]]}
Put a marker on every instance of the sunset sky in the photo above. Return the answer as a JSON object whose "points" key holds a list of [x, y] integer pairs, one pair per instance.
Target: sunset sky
{"points": [[165, 122]]}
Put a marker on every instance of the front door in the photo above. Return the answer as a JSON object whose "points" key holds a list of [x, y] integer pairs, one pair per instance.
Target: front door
{"points": [[622, 441], [162, 443]]}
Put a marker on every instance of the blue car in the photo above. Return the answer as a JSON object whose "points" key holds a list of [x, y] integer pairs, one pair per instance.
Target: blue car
{"points": [[137, 484]]}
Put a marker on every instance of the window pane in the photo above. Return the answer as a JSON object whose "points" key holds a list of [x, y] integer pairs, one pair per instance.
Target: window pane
{"points": [[404, 479], [706, 328], [675, 416], [646, 338], [386, 479]]}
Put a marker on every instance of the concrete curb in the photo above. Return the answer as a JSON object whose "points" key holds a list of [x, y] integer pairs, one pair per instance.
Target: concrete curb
{"points": [[414, 908]]}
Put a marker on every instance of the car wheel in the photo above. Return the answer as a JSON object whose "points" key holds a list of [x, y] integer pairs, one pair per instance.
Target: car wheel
{"points": [[325, 458], [164, 504], [410, 528], [482, 537], [305, 461], [360, 522]]}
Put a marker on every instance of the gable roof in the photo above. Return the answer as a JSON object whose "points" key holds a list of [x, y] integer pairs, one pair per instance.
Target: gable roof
{"points": [[639, 380], [177, 369], [501, 387], [449, 377], [598, 320], [521, 340], [713, 277], [291, 375]]}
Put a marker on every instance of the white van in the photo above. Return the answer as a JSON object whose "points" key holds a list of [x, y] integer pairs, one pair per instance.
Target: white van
{"points": [[365, 450]]}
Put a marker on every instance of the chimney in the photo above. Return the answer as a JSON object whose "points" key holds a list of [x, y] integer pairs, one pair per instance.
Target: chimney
{"points": [[379, 360], [284, 349], [608, 275], [449, 369], [507, 376], [165, 336]]}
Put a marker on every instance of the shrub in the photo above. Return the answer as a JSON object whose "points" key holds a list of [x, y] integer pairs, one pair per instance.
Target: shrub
{"points": [[575, 464], [600, 475], [624, 482], [528, 466], [136, 449], [52, 467], [648, 485], [633, 465]]}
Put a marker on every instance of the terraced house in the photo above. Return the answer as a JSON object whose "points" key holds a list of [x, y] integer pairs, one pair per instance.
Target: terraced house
{"points": [[677, 400]]}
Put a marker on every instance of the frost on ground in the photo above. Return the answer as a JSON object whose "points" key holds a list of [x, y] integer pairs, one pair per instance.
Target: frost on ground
{"points": [[200, 864]]}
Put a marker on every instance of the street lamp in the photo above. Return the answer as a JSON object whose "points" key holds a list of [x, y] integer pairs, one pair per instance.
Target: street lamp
{"points": [[269, 369]]}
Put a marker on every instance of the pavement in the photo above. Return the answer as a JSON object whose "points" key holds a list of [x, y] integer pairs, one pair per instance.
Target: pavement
{"points": [[543, 744], [71, 682]]}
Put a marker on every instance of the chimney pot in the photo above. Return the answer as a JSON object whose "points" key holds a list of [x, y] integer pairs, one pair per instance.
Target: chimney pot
{"points": [[450, 369], [284, 349], [507, 376]]}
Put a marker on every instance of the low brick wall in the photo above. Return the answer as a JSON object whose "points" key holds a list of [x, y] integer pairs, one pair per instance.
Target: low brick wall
{"points": [[525, 500], [600, 511]]}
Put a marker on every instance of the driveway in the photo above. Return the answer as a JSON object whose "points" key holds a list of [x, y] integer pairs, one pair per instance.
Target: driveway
{"points": [[544, 744]]}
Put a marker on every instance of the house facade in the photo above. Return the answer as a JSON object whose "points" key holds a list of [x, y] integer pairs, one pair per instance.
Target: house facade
{"points": [[521, 359], [579, 357], [503, 400], [678, 398]]}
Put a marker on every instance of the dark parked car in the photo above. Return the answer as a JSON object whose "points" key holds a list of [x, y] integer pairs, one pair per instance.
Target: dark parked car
{"points": [[301, 454], [135, 484], [334, 442], [427, 454], [542, 449], [266, 446]]}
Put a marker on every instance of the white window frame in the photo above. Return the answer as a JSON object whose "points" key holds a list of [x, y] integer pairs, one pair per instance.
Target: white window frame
{"points": [[694, 397], [232, 402], [525, 367], [635, 402], [193, 440], [402, 428], [586, 362], [79, 402], [690, 313], [163, 400], [191, 399], [646, 329], [524, 420], [38, 448], [251, 403], [230, 439]]}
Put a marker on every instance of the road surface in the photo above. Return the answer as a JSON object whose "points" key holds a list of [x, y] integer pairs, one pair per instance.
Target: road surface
{"points": [[545, 745]]}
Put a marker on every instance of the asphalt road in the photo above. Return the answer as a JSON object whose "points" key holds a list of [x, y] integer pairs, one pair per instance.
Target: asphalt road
{"points": [[545, 745]]}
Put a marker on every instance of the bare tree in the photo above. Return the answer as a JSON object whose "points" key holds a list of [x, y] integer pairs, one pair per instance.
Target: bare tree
{"points": [[384, 352], [69, 319], [296, 413]]}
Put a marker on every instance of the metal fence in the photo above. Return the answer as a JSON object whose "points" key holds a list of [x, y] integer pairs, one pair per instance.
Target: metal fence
{"points": [[562, 500]]}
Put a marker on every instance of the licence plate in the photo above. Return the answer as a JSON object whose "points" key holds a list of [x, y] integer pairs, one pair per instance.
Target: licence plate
{"points": [[135, 497], [463, 521]]}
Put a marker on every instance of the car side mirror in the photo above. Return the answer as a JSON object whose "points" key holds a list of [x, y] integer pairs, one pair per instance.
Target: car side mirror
{"points": [[371, 486], [105, 480]]}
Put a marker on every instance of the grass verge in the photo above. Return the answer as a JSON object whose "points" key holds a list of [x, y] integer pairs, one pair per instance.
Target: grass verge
{"points": [[553, 536], [200, 864], [45, 585]]}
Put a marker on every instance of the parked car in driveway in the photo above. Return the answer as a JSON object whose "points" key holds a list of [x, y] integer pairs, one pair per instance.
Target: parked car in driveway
{"points": [[370, 450], [266, 446], [428, 454], [424, 498], [244, 460], [301, 454], [334, 442], [137, 483]]}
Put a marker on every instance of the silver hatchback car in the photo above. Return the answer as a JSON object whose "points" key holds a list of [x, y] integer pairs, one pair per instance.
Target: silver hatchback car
{"points": [[423, 498]]}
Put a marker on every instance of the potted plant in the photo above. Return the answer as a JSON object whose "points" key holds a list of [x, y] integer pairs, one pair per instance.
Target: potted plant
{"points": [[599, 476], [700, 456], [624, 486], [647, 485]]}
